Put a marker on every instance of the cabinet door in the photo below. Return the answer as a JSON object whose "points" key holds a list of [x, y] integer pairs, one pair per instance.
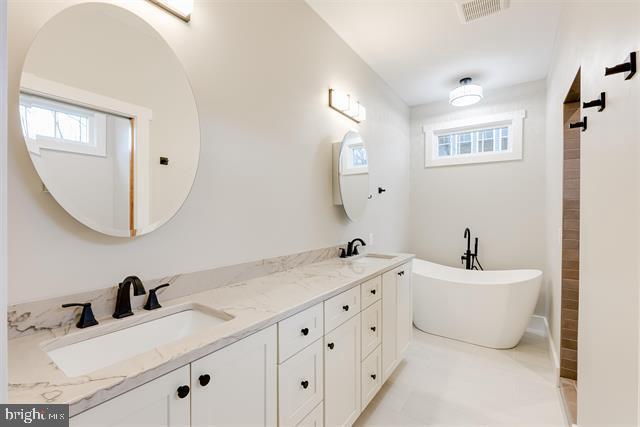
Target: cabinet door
{"points": [[342, 374], [242, 386], [389, 322], [405, 309], [155, 403], [300, 384]]}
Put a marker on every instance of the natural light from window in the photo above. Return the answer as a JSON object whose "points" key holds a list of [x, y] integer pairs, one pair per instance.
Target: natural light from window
{"points": [[45, 118], [473, 142]]}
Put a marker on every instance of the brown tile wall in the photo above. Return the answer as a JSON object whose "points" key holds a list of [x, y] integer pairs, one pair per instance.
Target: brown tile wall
{"points": [[570, 244]]}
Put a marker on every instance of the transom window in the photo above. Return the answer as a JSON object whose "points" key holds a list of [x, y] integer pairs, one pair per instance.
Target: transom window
{"points": [[475, 140], [359, 156], [57, 125]]}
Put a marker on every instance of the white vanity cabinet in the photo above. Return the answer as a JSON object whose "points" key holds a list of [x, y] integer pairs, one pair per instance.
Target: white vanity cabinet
{"points": [[319, 367], [342, 370], [397, 317], [242, 384], [234, 386], [155, 403]]}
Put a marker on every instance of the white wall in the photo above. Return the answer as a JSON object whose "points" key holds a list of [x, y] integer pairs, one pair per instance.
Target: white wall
{"points": [[592, 37], [503, 202], [260, 73], [3, 200]]}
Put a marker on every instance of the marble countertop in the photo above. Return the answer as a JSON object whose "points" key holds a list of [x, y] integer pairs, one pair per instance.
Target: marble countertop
{"points": [[254, 304]]}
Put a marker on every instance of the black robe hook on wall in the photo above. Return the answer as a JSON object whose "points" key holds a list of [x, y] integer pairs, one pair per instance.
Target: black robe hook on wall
{"points": [[601, 103], [578, 125], [628, 67]]}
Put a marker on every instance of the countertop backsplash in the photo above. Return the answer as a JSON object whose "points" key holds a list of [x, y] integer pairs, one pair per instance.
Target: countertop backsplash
{"points": [[32, 317]]}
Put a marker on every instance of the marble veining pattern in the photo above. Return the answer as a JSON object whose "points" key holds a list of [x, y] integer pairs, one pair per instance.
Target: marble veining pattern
{"points": [[33, 317], [254, 305]]}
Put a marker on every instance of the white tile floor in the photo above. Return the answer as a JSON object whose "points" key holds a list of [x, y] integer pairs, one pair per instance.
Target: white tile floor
{"points": [[443, 382]]}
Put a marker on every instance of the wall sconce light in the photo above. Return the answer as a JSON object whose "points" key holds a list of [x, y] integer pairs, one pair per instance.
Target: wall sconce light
{"points": [[180, 8], [347, 105]]}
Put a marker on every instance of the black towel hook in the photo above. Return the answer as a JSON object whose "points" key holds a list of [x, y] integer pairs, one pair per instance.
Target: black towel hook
{"points": [[578, 125], [628, 67], [601, 103]]}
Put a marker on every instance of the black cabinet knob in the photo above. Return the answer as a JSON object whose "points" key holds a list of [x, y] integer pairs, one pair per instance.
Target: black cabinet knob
{"points": [[373, 328], [345, 307], [304, 384], [330, 345], [400, 273], [373, 291], [373, 376], [183, 391], [204, 379], [304, 331]]}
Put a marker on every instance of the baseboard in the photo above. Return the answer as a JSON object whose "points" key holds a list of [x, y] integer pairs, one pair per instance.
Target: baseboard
{"points": [[538, 324]]}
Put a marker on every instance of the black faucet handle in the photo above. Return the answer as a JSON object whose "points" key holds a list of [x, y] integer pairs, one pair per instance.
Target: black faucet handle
{"points": [[86, 317], [159, 287], [343, 253], [152, 300]]}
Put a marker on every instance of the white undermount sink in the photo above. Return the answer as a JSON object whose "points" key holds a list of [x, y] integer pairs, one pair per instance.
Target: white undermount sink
{"points": [[87, 355], [381, 256]]}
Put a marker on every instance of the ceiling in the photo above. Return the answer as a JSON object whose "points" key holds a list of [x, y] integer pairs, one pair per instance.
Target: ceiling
{"points": [[421, 48]]}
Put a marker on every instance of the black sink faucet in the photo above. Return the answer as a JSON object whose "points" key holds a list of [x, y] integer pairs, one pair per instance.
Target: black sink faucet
{"points": [[352, 246], [123, 300]]}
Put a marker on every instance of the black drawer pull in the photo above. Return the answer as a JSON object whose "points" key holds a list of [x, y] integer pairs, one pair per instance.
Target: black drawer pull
{"points": [[304, 331], [330, 345], [373, 291], [183, 391], [204, 379], [304, 384], [345, 307], [401, 273], [373, 328], [373, 376]]}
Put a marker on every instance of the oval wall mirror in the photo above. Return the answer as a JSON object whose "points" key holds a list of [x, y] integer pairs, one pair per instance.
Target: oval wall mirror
{"points": [[353, 175], [109, 119]]}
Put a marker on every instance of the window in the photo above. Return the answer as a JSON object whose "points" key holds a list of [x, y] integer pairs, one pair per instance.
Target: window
{"points": [[359, 156], [354, 159], [57, 125], [477, 140]]}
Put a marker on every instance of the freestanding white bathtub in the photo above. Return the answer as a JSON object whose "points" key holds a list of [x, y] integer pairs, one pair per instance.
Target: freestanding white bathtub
{"points": [[488, 308]]}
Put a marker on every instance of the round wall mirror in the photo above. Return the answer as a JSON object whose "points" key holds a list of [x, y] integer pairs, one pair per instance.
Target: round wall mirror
{"points": [[109, 119], [353, 175]]}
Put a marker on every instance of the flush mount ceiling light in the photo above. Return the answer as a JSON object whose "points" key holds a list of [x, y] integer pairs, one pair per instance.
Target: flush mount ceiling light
{"points": [[181, 8], [465, 94], [346, 104]]}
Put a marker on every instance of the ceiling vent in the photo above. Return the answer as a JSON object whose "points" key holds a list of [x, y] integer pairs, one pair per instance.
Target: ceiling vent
{"points": [[470, 10]]}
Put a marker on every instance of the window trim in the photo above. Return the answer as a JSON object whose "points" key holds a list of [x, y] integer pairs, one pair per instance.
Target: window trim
{"points": [[513, 120]]}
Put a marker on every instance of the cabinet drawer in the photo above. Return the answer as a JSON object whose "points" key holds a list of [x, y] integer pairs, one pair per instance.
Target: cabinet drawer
{"points": [[301, 384], [370, 291], [371, 376], [371, 331], [315, 418], [298, 331], [341, 308]]}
